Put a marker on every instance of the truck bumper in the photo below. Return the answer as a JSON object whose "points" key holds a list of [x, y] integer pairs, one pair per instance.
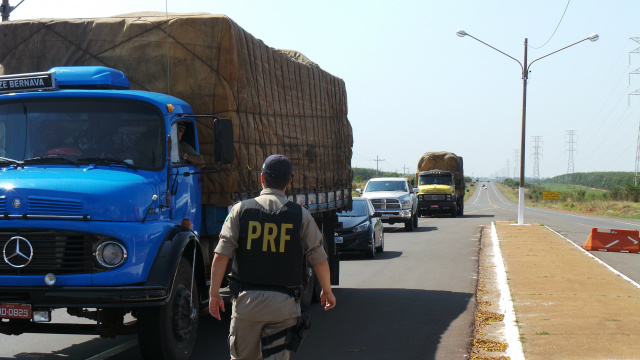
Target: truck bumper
{"points": [[85, 297], [428, 207]]}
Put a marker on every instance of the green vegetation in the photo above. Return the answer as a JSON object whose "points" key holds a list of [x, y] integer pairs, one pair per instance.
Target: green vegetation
{"points": [[599, 193]]}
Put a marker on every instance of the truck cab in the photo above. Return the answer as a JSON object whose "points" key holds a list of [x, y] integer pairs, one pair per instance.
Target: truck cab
{"points": [[437, 193], [101, 215]]}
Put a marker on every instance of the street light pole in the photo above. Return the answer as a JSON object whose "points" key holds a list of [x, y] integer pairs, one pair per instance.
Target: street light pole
{"points": [[525, 76]]}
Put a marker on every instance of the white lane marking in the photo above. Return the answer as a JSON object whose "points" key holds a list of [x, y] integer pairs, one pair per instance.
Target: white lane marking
{"points": [[116, 350]]}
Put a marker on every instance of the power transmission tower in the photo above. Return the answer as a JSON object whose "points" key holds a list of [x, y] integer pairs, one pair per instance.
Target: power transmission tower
{"points": [[404, 169], [570, 135], [637, 92], [508, 169], [536, 152], [377, 160]]}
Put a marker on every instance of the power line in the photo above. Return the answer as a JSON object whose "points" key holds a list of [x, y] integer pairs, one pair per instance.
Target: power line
{"points": [[557, 26]]}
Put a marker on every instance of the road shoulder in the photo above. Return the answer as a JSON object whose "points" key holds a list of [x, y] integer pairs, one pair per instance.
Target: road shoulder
{"points": [[568, 305]]}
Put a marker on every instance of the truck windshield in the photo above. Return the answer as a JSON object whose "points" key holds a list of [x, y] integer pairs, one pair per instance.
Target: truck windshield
{"points": [[97, 131], [430, 180], [387, 186]]}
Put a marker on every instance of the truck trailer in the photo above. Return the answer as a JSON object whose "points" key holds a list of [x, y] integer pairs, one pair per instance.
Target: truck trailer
{"points": [[100, 214], [440, 181]]}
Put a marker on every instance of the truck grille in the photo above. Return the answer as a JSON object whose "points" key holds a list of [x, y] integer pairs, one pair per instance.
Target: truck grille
{"points": [[432, 197], [61, 253], [386, 204]]}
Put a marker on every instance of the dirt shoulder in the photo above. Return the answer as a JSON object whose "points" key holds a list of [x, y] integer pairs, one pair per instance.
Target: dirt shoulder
{"points": [[567, 304]]}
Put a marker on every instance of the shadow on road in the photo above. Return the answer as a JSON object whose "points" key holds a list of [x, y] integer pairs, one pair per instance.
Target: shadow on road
{"points": [[382, 324], [348, 256]]}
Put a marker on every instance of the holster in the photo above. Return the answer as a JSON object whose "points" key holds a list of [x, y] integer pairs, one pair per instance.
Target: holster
{"points": [[293, 337]]}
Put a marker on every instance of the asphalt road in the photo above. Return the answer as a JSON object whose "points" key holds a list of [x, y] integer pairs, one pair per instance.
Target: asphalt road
{"points": [[413, 301]]}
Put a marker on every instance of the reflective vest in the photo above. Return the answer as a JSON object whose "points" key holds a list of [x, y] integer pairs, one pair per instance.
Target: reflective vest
{"points": [[269, 250]]}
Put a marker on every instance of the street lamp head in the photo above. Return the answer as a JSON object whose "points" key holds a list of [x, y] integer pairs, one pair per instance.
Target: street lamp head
{"points": [[461, 33], [594, 37]]}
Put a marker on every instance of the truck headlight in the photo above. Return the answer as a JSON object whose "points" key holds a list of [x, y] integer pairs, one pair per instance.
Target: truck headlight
{"points": [[362, 227], [110, 254], [406, 204]]}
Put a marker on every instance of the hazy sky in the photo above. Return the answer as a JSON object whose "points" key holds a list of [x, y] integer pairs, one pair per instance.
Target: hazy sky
{"points": [[413, 86]]}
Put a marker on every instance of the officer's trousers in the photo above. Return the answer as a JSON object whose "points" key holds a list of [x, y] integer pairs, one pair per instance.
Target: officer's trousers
{"points": [[256, 314]]}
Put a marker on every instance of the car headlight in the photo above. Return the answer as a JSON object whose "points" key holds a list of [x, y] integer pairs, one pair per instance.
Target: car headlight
{"points": [[362, 227], [406, 204], [110, 254]]}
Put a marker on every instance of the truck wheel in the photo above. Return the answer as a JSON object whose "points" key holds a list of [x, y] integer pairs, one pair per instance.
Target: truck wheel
{"points": [[454, 212], [169, 331], [415, 221], [460, 210]]}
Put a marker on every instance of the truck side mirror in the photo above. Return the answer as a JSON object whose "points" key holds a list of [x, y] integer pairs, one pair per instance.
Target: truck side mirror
{"points": [[224, 151]]}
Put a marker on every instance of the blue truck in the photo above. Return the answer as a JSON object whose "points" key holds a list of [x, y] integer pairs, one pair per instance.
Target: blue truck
{"points": [[100, 215]]}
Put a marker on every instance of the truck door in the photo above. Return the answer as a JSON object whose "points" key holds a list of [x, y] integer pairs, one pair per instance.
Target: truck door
{"points": [[184, 180]]}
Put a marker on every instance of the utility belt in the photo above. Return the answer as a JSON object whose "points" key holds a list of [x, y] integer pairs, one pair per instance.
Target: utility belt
{"points": [[236, 287]]}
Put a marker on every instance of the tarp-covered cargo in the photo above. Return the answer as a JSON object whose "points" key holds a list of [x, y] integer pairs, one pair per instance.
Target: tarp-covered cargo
{"points": [[443, 160], [279, 101]]}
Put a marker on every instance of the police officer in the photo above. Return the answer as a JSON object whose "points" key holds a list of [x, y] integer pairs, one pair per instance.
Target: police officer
{"points": [[267, 238]]}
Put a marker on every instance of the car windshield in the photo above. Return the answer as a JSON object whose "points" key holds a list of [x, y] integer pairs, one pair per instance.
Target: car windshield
{"points": [[430, 180], [359, 209], [77, 131], [387, 186]]}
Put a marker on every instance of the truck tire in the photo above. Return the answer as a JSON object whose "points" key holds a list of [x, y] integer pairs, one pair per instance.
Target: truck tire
{"points": [[415, 220], [454, 212], [168, 332]]}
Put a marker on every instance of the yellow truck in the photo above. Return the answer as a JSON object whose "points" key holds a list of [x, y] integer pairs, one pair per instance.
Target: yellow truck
{"points": [[440, 181]]}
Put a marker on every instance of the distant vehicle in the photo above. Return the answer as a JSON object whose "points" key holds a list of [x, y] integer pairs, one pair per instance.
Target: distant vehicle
{"points": [[360, 229], [395, 199], [440, 179]]}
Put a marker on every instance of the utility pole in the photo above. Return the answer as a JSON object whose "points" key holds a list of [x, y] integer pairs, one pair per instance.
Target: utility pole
{"points": [[5, 9], [570, 142], [377, 160], [404, 169], [536, 152]]}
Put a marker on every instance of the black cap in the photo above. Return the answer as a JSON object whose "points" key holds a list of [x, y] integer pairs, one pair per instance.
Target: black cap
{"points": [[277, 167]]}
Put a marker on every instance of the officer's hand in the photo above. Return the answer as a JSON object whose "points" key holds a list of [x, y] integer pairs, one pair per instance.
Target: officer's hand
{"points": [[216, 304], [328, 300]]}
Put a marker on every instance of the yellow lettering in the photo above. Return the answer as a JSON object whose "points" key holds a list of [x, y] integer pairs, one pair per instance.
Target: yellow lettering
{"points": [[254, 232], [284, 236], [270, 233]]}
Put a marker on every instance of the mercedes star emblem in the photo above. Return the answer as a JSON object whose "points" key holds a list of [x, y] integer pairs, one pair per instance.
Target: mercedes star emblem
{"points": [[17, 252]]}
